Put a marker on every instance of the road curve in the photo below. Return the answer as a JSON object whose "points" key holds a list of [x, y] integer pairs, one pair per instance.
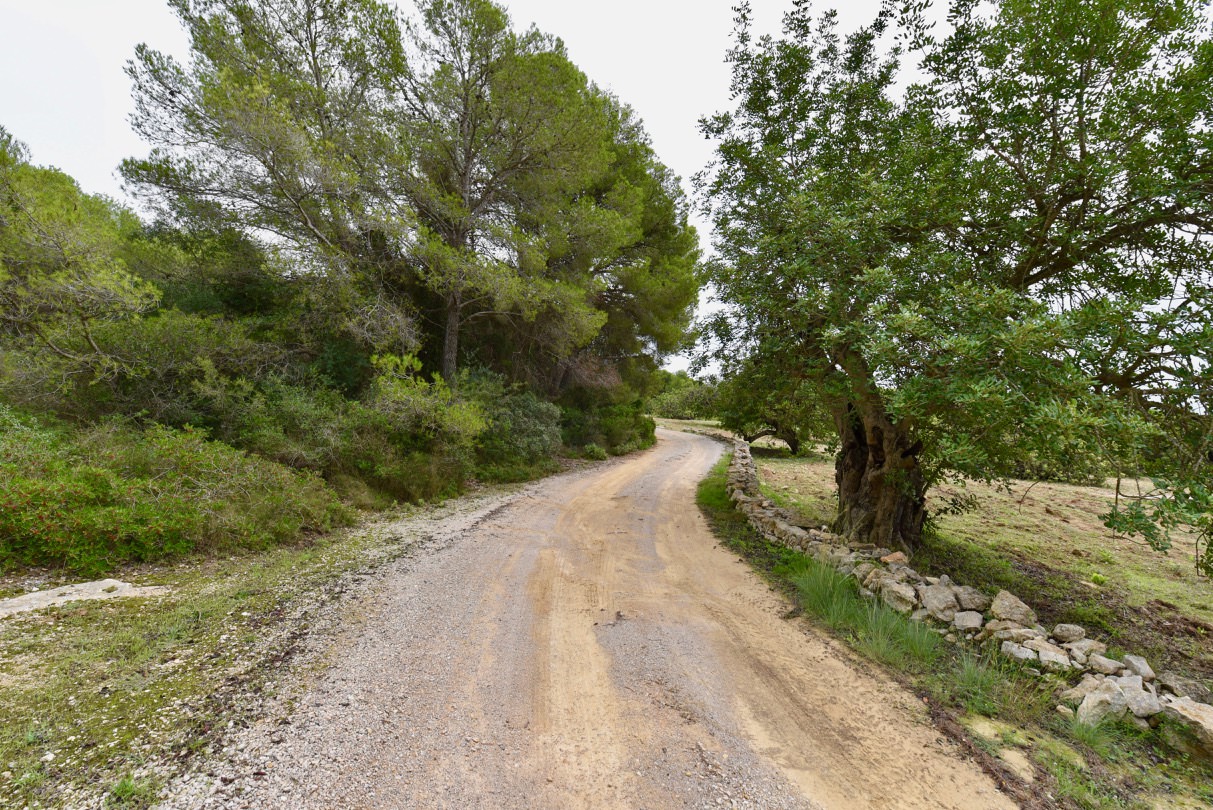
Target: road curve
{"points": [[590, 646]]}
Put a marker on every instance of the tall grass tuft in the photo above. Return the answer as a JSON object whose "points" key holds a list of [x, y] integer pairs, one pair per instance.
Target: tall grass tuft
{"points": [[977, 683], [879, 631]]}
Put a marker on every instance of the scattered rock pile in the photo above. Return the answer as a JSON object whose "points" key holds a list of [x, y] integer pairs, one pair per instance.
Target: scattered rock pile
{"points": [[1108, 688]]}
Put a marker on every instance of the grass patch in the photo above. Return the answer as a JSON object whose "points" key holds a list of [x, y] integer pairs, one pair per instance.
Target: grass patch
{"points": [[735, 533], [129, 792], [876, 630]]}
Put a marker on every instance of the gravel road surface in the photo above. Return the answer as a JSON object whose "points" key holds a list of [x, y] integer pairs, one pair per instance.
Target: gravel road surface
{"points": [[587, 644]]}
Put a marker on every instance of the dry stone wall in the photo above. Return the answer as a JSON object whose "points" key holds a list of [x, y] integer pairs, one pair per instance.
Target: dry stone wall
{"points": [[1107, 687]]}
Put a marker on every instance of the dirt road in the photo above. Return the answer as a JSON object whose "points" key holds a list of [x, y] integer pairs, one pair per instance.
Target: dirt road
{"points": [[588, 645]]}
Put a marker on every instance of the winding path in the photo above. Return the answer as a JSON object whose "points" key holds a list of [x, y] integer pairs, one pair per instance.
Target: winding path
{"points": [[588, 645]]}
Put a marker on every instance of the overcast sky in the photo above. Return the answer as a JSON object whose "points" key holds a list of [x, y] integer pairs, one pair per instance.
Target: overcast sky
{"points": [[63, 91]]}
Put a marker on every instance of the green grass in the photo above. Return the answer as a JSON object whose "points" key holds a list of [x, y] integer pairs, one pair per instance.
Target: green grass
{"points": [[129, 792], [876, 630]]}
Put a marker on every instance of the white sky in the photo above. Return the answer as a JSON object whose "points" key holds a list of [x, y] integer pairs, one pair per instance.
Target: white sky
{"points": [[63, 91]]}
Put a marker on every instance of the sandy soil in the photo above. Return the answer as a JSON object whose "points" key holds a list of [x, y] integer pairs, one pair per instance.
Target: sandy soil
{"points": [[588, 645]]}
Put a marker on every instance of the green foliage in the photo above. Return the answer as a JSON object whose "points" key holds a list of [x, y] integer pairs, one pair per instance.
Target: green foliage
{"points": [[594, 453], [685, 398], [93, 499], [600, 417], [61, 274], [1002, 268], [338, 193], [522, 434], [165, 357], [460, 188], [412, 439], [1170, 505]]}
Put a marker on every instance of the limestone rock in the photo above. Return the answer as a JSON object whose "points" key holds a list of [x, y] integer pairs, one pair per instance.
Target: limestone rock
{"points": [[875, 576], [1019, 636], [1065, 633], [995, 625], [1107, 666], [1084, 648], [84, 591], [898, 595], [1054, 660], [895, 557], [1138, 666], [970, 598], [1066, 712], [862, 570], [939, 602], [1007, 606], [1039, 644], [1185, 687], [1106, 701], [1086, 686], [1017, 651], [1198, 717], [1141, 703], [968, 620]]}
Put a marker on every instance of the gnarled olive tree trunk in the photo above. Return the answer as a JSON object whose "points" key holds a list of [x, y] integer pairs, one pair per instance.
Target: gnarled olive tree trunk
{"points": [[881, 490]]}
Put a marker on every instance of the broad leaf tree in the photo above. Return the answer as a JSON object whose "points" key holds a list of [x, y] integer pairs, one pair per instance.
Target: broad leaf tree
{"points": [[956, 267], [1089, 125]]}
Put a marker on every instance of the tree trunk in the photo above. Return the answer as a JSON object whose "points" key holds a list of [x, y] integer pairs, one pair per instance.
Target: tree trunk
{"points": [[790, 439], [450, 341], [881, 492]]}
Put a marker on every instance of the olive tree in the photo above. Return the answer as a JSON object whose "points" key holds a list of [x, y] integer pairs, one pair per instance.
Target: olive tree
{"points": [[1005, 259]]}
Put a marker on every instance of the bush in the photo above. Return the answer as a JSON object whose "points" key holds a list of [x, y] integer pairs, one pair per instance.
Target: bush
{"points": [[89, 500], [163, 358], [412, 440], [593, 417], [522, 437], [696, 401]]}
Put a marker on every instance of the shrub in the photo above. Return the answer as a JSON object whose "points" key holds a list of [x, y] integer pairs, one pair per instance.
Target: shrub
{"points": [[163, 359], [89, 500], [594, 453], [412, 440], [522, 437], [697, 401], [597, 417]]}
